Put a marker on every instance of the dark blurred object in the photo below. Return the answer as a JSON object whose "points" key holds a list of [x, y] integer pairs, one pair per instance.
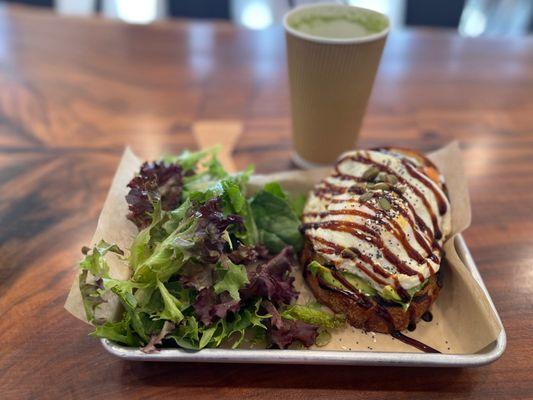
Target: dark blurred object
{"points": [[40, 3], [218, 9], [439, 13]]}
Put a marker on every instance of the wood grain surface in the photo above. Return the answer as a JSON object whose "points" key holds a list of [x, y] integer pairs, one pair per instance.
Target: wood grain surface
{"points": [[74, 92]]}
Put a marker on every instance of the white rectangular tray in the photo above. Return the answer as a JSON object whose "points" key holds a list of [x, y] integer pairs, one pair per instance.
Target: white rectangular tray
{"points": [[485, 356]]}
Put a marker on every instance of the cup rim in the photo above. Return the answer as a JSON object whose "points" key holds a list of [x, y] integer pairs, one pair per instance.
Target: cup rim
{"points": [[318, 39]]}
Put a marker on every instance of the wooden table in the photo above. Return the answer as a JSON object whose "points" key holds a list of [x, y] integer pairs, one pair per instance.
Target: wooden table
{"points": [[74, 92]]}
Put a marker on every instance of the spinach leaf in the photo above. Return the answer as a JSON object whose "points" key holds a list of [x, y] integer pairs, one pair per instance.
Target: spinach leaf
{"points": [[275, 219]]}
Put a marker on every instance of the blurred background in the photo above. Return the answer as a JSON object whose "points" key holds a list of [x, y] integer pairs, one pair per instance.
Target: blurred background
{"points": [[502, 18]]}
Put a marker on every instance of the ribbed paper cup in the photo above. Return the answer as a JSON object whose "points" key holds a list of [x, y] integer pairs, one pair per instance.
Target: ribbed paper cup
{"points": [[330, 81]]}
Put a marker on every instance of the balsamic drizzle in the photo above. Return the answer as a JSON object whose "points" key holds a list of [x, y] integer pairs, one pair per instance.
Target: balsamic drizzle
{"points": [[427, 316], [333, 248], [414, 189], [413, 342], [383, 313], [364, 233], [427, 183]]}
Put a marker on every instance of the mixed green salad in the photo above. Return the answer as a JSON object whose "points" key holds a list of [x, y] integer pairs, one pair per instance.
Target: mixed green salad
{"points": [[210, 265]]}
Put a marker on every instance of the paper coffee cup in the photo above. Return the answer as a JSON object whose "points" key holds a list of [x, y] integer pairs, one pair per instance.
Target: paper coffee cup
{"points": [[333, 53]]}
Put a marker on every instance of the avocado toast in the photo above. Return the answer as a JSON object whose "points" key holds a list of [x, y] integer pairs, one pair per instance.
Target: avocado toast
{"points": [[374, 230]]}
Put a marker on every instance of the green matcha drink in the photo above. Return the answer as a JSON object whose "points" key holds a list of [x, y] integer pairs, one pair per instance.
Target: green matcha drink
{"points": [[333, 28], [338, 23], [333, 52]]}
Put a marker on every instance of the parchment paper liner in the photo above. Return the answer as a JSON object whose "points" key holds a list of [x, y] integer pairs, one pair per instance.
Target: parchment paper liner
{"points": [[463, 321]]}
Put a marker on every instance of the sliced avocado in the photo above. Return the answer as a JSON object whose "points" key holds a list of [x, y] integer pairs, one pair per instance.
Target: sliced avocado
{"points": [[327, 277], [317, 269], [359, 283], [389, 293]]}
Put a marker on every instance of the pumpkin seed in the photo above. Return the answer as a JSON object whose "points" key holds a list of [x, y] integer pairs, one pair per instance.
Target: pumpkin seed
{"points": [[370, 174], [392, 179], [380, 186], [365, 197], [382, 177], [384, 204]]}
